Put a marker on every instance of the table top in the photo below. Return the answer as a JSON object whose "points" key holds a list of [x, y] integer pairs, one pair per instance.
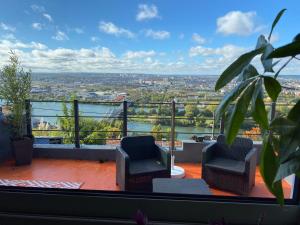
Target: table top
{"points": [[180, 186]]}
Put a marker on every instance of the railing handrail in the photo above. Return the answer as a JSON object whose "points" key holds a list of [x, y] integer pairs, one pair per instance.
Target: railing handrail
{"points": [[125, 115]]}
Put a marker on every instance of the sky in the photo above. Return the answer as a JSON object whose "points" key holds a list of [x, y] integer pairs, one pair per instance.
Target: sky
{"points": [[156, 37]]}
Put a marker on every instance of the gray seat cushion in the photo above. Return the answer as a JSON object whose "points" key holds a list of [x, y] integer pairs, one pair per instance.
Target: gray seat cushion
{"points": [[228, 165], [145, 166]]}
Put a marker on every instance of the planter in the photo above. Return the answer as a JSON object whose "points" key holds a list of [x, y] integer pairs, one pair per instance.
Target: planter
{"points": [[23, 150]]}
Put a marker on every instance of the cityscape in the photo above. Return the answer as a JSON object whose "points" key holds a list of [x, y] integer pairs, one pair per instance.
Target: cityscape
{"points": [[118, 86]]}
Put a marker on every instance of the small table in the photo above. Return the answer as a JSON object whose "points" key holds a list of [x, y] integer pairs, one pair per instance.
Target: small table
{"points": [[180, 186]]}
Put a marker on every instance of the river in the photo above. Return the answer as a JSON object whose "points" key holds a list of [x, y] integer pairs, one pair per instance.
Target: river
{"points": [[48, 111]]}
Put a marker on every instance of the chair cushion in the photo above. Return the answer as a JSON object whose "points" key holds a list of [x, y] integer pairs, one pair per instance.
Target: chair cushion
{"points": [[145, 166], [228, 165], [237, 151], [140, 147]]}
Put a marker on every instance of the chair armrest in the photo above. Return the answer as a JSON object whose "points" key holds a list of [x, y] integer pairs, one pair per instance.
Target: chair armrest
{"points": [[207, 152], [122, 159], [251, 159], [165, 156]]}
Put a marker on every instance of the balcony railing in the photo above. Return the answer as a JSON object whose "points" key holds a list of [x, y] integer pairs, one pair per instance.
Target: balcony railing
{"points": [[167, 113]]}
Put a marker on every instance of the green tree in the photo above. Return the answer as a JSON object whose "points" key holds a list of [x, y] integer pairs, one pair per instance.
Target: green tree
{"points": [[156, 132], [191, 111], [15, 87]]}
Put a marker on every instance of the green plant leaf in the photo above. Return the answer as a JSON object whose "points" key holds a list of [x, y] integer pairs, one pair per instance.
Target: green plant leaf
{"points": [[289, 144], [282, 126], [296, 38], [236, 68], [273, 87], [267, 63], [238, 114], [230, 97], [259, 112], [288, 168], [268, 169], [277, 18], [261, 42], [248, 72], [291, 49], [294, 113]]}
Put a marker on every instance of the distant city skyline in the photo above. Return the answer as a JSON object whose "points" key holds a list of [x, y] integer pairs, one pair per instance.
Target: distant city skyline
{"points": [[151, 37]]}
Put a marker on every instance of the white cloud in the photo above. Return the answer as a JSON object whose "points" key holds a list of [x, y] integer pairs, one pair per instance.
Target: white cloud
{"points": [[198, 39], [147, 12], [78, 30], [159, 34], [6, 45], [40, 58], [37, 26], [239, 23], [110, 28], [7, 27], [138, 54], [48, 17], [38, 8], [60, 36], [148, 60], [227, 51]]}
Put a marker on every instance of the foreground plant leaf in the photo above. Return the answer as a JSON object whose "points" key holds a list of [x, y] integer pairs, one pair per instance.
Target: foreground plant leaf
{"points": [[288, 168], [259, 112], [236, 68], [238, 114], [267, 62], [277, 18], [268, 168], [294, 113], [248, 72], [291, 49], [273, 87], [230, 97], [282, 126]]}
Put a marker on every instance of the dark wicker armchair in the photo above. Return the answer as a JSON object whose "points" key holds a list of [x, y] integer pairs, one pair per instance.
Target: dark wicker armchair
{"points": [[138, 161], [230, 168]]}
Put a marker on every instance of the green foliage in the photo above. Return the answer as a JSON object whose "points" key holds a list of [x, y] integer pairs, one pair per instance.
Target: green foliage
{"points": [[15, 87], [277, 18], [281, 155], [236, 68], [91, 131], [156, 132], [291, 49], [191, 111]]}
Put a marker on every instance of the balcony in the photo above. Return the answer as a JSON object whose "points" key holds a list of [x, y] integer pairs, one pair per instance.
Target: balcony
{"points": [[74, 158]]}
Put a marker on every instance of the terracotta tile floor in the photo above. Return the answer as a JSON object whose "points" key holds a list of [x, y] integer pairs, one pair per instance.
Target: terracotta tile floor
{"points": [[101, 176]]}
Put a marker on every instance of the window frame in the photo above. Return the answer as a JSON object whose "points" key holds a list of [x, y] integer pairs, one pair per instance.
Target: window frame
{"points": [[110, 205]]}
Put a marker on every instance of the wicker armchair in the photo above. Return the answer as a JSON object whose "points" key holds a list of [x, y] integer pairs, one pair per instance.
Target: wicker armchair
{"points": [[230, 168], [138, 161]]}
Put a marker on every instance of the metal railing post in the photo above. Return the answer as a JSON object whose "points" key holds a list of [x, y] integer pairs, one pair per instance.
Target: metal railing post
{"points": [[28, 117], [173, 105], [222, 125], [76, 124], [124, 118]]}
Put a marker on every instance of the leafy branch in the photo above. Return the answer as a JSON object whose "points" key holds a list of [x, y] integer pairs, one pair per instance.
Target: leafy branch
{"points": [[280, 155]]}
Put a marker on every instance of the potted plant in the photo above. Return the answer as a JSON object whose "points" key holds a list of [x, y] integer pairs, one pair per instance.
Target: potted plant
{"points": [[15, 86], [280, 156]]}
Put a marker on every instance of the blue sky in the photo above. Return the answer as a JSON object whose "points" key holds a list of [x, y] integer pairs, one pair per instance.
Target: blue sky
{"points": [[164, 37]]}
